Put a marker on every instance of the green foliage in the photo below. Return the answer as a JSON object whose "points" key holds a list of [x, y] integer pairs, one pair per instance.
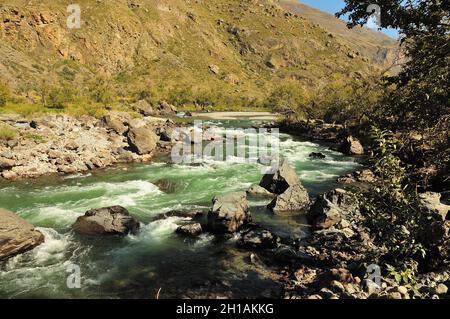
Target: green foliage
{"points": [[387, 165], [405, 274], [57, 98], [421, 94], [67, 74], [180, 96], [289, 98], [102, 90], [5, 93], [7, 132], [394, 213]]}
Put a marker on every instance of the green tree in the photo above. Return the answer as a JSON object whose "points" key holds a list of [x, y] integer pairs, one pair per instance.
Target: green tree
{"points": [[289, 98], [421, 94], [5, 93]]}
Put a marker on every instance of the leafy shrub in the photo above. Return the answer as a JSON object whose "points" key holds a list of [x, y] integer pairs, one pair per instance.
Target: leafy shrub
{"points": [[395, 214]]}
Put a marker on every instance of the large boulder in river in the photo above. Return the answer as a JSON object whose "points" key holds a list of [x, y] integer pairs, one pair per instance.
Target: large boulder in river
{"points": [[114, 220], [142, 140], [330, 208], [295, 198], [16, 235], [229, 212], [281, 180]]}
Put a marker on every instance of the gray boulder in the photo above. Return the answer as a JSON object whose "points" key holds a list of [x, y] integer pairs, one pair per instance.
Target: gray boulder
{"points": [[190, 230], [143, 107], [142, 140], [432, 201], [16, 235], [229, 212], [281, 180], [114, 220], [295, 198], [116, 121]]}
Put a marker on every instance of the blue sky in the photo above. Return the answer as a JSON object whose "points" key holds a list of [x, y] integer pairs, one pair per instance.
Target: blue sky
{"points": [[333, 6]]}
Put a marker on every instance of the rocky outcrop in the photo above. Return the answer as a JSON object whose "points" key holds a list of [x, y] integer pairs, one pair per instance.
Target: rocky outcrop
{"points": [[229, 212], [283, 178], [16, 235], [142, 140], [352, 146], [330, 209], [114, 220], [295, 198]]}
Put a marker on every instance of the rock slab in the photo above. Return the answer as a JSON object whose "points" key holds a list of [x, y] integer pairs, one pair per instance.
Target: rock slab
{"points": [[16, 235]]}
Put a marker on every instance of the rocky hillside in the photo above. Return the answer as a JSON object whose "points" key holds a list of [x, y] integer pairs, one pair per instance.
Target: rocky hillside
{"points": [[235, 47], [380, 48]]}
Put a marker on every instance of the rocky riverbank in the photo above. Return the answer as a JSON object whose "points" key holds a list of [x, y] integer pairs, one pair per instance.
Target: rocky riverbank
{"points": [[66, 145]]}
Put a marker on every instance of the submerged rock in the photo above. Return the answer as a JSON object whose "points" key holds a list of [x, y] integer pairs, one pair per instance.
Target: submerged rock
{"points": [[229, 212], [114, 220], [258, 239], [256, 190], [16, 235], [315, 155]]}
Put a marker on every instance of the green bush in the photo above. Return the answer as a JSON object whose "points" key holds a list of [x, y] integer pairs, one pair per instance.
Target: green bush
{"points": [[395, 215], [5, 93], [102, 90], [7, 132]]}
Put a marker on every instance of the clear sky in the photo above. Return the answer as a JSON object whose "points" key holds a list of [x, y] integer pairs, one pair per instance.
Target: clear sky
{"points": [[333, 6]]}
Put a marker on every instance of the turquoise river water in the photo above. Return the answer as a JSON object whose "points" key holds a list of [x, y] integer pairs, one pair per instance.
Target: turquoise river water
{"points": [[137, 266]]}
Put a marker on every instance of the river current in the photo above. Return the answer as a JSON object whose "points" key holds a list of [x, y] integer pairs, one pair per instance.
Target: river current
{"points": [[155, 259]]}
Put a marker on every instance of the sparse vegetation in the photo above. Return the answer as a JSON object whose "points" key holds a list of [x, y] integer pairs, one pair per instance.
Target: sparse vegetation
{"points": [[7, 132]]}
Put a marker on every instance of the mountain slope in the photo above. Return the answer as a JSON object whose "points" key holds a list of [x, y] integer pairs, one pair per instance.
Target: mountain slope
{"points": [[231, 48], [381, 48]]}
